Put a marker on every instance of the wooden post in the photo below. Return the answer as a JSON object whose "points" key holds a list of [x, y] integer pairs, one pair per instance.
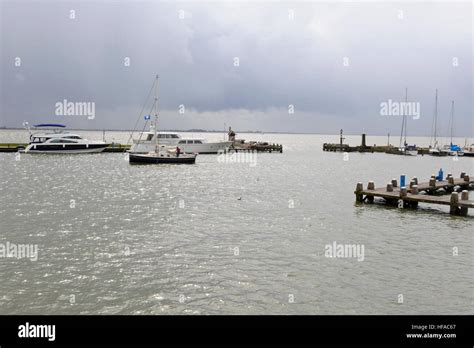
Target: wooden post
{"points": [[359, 195], [454, 209], [389, 187], [462, 175], [403, 192], [433, 181], [414, 190], [415, 179], [370, 186], [394, 182], [451, 179], [464, 197], [466, 178]]}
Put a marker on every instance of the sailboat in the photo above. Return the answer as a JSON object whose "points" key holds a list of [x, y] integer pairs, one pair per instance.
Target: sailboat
{"points": [[404, 148], [435, 149], [452, 149], [161, 155]]}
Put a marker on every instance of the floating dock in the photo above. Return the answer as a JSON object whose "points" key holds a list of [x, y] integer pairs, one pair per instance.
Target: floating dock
{"points": [[433, 192]]}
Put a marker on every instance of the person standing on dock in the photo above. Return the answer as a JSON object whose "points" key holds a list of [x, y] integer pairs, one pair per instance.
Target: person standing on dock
{"points": [[178, 151]]}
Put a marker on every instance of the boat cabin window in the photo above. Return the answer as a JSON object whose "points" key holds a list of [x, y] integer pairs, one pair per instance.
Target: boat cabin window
{"points": [[197, 142], [72, 137], [40, 140], [149, 137], [174, 136], [182, 142], [62, 141]]}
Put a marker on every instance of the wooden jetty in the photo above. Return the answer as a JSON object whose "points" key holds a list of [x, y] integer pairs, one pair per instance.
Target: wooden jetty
{"points": [[433, 192], [255, 146], [240, 145], [363, 147]]}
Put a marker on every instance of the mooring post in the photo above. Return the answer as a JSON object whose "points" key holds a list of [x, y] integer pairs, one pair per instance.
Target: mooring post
{"points": [[389, 187], [414, 190], [370, 186], [415, 179], [466, 178], [433, 181], [462, 175], [403, 192], [454, 208], [451, 179], [359, 195], [464, 197], [394, 182]]}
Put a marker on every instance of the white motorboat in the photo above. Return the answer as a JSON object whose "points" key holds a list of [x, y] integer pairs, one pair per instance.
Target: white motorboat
{"points": [[146, 143], [53, 139]]}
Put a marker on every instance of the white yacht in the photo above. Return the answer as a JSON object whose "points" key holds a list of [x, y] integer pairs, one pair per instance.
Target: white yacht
{"points": [[53, 139], [146, 143]]}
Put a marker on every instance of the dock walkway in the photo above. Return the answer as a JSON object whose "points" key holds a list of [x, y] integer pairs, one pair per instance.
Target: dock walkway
{"points": [[433, 192]]}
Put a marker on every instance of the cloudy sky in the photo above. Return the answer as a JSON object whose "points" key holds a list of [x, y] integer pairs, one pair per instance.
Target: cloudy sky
{"points": [[335, 63]]}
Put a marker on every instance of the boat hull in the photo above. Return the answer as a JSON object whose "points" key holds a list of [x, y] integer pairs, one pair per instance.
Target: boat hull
{"points": [[67, 149], [161, 159]]}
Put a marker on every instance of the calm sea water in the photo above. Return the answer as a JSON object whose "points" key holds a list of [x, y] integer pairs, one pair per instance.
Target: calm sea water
{"points": [[228, 238]]}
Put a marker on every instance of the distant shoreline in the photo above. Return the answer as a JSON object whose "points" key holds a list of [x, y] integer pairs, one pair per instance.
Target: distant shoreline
{"points": [[238, 132]]}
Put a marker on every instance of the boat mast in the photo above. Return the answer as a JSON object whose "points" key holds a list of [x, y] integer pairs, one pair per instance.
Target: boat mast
{"points": [[434, 128], [156, 115], [405, 117], [452, 120], [404, 125]]}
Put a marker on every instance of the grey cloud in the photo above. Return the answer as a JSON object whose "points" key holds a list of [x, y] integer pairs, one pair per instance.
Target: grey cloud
{"points": [[282, 62]]}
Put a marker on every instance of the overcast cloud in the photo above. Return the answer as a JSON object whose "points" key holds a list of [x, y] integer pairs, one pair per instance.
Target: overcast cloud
{"points": [[283, 61]]}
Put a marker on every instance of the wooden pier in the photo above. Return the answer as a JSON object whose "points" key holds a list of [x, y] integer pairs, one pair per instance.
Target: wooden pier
{"points": [[256, 147], [433, 192]]}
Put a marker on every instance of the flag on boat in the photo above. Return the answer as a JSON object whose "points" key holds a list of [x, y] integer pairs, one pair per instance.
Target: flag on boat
{"points": [[147, 117]]}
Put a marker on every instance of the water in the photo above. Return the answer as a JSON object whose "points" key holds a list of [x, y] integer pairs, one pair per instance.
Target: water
{"points": [[228, 238]]}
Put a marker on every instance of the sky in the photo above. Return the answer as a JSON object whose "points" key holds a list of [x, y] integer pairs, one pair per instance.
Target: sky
{"points": [[297, 66]]}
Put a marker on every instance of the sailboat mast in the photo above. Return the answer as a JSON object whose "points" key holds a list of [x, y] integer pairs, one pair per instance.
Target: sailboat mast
{"points": [[156, 115], [403, 125], [452, 120], [436, 120], [405, 117]]}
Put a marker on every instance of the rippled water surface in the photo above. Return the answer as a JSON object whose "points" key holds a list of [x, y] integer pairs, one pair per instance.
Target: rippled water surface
{"points": [[228, 238]]}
